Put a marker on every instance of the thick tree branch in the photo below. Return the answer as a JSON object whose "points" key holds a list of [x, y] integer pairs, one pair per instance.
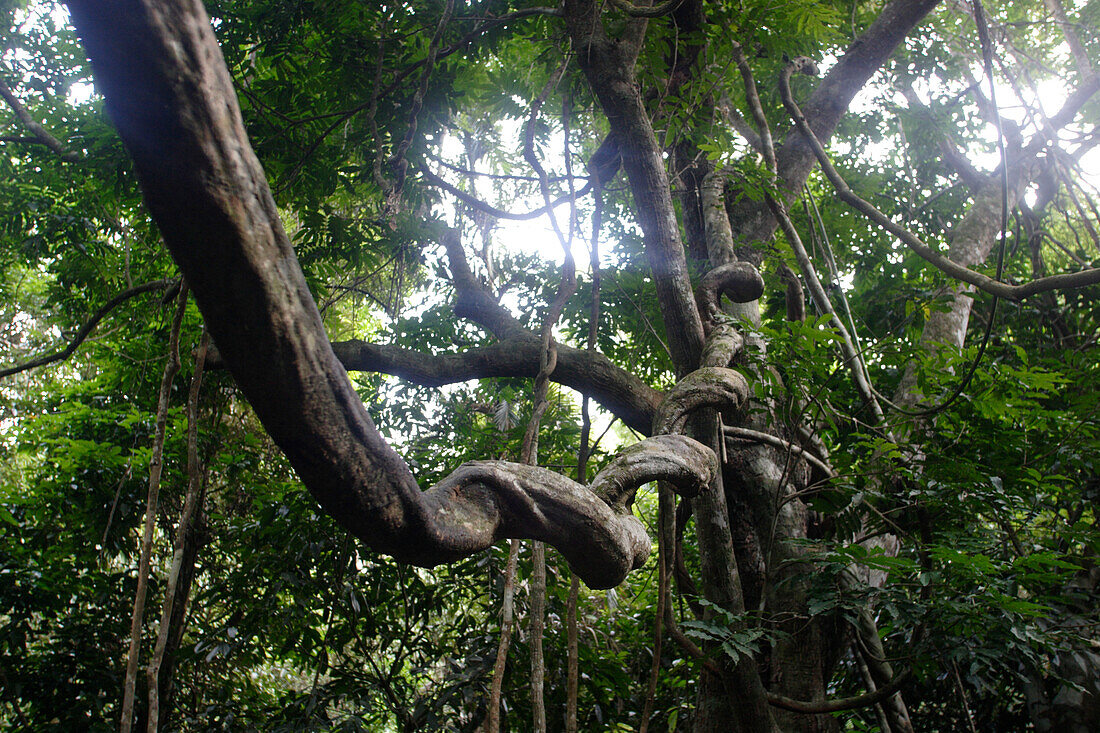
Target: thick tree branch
{"points": [[167, 88], [86, 330], [709, 387], [626, 396], [608, 66], [738, 281]]}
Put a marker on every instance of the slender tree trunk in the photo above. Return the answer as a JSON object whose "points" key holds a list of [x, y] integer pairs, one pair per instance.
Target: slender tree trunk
{"points": [[176, 623], [507, 605], [190, 507], [572, 676], [156, 465], [538, 624]]}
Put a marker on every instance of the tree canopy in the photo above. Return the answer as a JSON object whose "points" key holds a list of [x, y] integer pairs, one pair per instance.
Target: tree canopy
{"points": [[765, 333]]}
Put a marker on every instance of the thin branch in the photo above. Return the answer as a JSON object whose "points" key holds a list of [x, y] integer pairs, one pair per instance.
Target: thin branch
{"points": [[846, 703], [476, 203], [959, 272], [495, 176], [343, 116], [752, 96], [183, 529], [852, 357], [89, 326], [736, 433], [506, 624]]}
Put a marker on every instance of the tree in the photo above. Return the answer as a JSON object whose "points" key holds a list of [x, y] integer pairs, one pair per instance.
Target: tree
{"points": [[831, 549]]}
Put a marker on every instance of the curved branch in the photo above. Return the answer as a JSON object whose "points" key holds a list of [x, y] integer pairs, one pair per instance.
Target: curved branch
{"points": [[845, 703], [89, 326], [716, 387], [683, 462], [485, 501], [166, 86], [397, 161], [1079, 279], [738, 281]]}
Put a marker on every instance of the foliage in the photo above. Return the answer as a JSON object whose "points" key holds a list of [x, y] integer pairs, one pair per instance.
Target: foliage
{"points": [[290, 624]]}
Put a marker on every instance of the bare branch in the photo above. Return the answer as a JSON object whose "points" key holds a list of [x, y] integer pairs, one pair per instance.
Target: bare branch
{"points": [[737, 433], [829, 102]]}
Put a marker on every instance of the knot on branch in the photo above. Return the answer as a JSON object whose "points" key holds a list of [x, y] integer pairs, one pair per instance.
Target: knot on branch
{"points": [[738, 281], [714, 387]]}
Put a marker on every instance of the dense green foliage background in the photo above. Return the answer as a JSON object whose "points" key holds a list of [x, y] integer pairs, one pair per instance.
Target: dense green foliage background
{"points": [[290, 624]]}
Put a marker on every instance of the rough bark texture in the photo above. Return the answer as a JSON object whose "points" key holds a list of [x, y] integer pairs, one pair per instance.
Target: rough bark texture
{"points": [[160, 70]]}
